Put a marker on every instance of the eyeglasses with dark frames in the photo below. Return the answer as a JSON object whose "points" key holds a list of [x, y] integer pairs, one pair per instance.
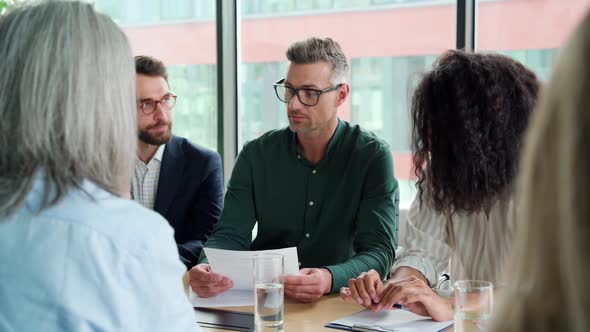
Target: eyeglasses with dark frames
{"points": [[149, 106], [307, 96]]}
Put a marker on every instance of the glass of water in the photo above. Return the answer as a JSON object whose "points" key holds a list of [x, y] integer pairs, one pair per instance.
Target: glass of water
{"points": [[473, 305], [268, 292]]}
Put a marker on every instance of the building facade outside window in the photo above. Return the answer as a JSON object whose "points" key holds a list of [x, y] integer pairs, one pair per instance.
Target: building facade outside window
{"points": [[389, 43]]}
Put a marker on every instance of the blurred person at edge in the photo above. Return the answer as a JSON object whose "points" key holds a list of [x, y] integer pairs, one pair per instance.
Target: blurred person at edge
{"points": [[76, 255], [549, 268], [469, 114]]}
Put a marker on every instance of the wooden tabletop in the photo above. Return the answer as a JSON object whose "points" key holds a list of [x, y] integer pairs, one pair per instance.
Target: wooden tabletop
{"points": [[311, 317], [306, 317]]}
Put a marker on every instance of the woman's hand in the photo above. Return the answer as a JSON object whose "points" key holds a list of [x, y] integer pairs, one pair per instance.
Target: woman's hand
{"points": [[417, 296]]}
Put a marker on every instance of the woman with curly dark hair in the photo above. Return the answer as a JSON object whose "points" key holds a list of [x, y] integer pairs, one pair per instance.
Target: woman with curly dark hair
{"points": [[469, 114]]}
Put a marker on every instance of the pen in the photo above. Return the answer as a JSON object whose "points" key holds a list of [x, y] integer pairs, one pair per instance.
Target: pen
{"points": [[398, 306]]}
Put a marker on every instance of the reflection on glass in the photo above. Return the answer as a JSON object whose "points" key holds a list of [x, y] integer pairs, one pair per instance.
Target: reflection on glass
{"points": [[195, 114], [144, 12], [163, 29], [534, 43]]}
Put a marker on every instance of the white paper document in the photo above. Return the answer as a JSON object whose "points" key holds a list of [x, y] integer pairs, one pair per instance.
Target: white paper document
{"points": [[239, 267], [398, 320]]}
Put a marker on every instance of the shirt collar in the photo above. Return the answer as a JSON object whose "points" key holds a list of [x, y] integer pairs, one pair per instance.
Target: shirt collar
{"points": [[336, 136], [159, 153], [157, 156], [331, 144]]}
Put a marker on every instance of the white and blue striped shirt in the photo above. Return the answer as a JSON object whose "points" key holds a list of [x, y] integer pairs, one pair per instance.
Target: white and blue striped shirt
{"points": [[480, 247], [145, 179]]}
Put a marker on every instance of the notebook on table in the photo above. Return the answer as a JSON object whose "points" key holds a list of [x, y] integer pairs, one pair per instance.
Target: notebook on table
{"points": [[395, 320], [225, 319]]}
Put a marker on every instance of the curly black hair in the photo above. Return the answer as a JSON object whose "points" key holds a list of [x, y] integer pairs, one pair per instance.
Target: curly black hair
{"points": [[469, 114]]}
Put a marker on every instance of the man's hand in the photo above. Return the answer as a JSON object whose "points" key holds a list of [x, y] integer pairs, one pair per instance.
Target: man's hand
{"points": [[363, 289], [309, 285], [414, 293], [206, 283]]}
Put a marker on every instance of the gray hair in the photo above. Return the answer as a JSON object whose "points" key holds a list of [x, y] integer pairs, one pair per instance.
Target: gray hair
{"points": [[313, 50], [67, 102]]}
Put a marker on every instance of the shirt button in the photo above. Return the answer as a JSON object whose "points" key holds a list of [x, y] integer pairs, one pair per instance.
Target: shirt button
{"points": [[306, 234], [300, 264], [298, 156], [314, 171], [310, 203]]}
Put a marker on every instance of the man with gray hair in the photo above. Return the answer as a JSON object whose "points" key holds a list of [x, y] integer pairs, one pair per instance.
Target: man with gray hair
{"points": [[322, 185]]}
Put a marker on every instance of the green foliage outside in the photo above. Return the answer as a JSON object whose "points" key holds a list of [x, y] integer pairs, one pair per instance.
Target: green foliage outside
{"points": [[3, 6], [6, 4]]}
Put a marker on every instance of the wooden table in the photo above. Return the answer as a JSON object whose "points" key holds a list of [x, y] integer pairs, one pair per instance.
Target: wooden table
{"points": [[306, 317], [303, 317]]}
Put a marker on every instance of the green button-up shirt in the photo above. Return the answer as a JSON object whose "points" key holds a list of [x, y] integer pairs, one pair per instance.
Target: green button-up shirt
{"points": [[340, 213]]}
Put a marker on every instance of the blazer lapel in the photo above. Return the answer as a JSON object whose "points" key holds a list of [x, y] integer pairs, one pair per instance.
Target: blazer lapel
{"points": [[170, 176]]}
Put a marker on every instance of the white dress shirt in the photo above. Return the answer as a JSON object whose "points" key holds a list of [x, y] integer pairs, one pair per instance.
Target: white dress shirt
{"points": [[92, 262], [145, 179], [480, 247]]}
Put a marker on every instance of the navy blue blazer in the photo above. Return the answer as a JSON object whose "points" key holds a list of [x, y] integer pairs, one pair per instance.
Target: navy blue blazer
{"points": [[190, 195]]}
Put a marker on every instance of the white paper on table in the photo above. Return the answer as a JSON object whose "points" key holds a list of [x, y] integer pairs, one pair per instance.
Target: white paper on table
{"points": [[230, 298], [238, 265]]}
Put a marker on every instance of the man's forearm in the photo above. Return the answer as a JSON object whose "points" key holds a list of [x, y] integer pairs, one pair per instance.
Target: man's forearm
{"points": [[376, 260]]}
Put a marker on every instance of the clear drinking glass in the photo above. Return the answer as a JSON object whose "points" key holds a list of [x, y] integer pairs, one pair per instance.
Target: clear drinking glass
{"points": [[473, 305], [268, 292]]}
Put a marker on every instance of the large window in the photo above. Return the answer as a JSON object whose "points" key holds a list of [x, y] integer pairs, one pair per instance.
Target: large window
{"points": [[389, 44], [531, 31], [156, 12], [182, 34]]}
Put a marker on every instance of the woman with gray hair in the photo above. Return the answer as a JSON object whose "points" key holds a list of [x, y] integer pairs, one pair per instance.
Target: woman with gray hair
{"points": [[75, 255]]}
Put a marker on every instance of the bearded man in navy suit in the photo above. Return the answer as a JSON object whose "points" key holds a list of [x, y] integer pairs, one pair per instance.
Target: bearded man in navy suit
{"points": [[178, 179]]}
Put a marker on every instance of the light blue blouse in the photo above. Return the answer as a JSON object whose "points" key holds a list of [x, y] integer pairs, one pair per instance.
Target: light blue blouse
{"points": [[93, 262]]}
